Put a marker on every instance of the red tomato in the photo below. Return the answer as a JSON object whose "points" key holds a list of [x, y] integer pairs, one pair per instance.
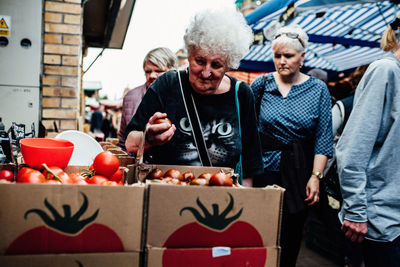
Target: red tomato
{"points": [[111, 183], [117, 176], [96, 179], [30, 176], [173, 174], [6, 175], [73, 233], [51, 181], [220, 179], [164, 120], [106, 163], [59, 172], [215, 229], [24, 171], [76, 178]]}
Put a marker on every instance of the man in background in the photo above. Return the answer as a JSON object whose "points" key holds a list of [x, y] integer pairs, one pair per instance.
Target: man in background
{"points": [[156, 62]]}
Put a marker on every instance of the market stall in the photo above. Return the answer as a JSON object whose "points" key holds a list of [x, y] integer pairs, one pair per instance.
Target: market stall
{"points": [[342, 34]]}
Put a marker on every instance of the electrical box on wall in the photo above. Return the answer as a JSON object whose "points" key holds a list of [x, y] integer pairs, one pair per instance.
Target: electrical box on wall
{"points": [[20, 61]]}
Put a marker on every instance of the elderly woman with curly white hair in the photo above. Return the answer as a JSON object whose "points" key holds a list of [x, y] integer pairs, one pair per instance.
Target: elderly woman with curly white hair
{"points": [[220, 108]]}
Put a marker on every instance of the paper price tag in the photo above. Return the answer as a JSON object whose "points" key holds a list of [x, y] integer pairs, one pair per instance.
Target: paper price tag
{"points": [[221, 251]]}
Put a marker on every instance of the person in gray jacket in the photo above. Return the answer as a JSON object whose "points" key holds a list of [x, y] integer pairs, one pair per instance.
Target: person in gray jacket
{"points": [[368, 156]]}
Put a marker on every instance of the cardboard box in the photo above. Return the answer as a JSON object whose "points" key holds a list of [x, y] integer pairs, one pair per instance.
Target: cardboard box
{"points": [[205, 216], [213, 257], [48, 218], [123, 259]]}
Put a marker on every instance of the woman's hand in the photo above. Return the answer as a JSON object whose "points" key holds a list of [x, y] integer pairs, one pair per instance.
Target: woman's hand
{"points": [[156, 134], [312, 190], [161, 133]]}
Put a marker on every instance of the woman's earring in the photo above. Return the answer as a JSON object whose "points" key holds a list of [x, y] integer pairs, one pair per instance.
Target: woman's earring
{"points": [[301, 65]]}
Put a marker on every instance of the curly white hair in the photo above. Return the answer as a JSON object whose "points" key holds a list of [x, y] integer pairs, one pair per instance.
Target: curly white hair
{"points": [[222, 32]]}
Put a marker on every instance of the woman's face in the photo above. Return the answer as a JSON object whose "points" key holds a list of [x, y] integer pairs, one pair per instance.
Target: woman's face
{"points": [[152, 72], [206, 71], [287, 60]]}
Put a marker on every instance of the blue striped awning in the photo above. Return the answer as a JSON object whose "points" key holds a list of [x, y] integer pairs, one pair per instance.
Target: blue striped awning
{"points": [[342, 34]]}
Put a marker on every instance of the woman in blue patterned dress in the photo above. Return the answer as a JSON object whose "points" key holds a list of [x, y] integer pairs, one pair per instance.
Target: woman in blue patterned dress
{"points": [[295, 126]]}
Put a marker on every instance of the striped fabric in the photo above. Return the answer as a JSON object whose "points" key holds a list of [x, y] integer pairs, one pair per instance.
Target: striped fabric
{"points": [[344, 37]]}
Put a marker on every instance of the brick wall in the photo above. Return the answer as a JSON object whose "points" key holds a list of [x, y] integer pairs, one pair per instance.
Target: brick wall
{"points": [[61, 72]]}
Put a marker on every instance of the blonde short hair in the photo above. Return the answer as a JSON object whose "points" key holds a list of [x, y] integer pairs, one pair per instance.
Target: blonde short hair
{"points": [[162, 57], [299, 44]]}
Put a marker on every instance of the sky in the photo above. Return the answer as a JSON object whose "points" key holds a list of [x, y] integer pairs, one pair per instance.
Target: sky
{"points": [[154, 23]]}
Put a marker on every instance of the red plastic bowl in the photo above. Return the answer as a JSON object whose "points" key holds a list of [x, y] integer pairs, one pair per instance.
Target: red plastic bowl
{"points": [[53, 152]]}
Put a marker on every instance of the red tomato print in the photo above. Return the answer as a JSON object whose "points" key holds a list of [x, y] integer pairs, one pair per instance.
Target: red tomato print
{"points": [[68, 234], [214, 229]]}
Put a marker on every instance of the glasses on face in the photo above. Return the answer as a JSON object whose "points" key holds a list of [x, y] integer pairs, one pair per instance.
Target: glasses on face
{"points": [[291, 35]]}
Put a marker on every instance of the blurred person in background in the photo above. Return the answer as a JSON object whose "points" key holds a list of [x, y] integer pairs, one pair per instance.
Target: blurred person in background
{"points": [[156, 62], [295, 128], [96, 122], [369, 162], [116, 119], [323, 76], [339, 89], [216, 40], [319, 74], [342, 108]]}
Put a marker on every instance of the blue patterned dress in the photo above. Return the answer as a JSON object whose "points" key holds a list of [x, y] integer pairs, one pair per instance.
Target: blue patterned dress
{"points": [[303, 116]]}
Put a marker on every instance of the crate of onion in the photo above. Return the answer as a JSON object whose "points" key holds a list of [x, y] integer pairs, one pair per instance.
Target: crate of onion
{"points": [[190, 210]]}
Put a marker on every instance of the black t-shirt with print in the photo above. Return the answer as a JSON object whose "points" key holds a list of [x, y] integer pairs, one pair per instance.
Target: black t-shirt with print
{"points": [[219, 120]]}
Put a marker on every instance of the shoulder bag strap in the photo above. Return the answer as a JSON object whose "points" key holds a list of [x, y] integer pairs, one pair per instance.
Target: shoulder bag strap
{"points": [[239, 167], [194, 121], [342, 115]]}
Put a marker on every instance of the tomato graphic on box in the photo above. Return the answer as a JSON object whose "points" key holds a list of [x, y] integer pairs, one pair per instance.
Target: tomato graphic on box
{"points": [[211, 230], [66, 234], [214, 229]]}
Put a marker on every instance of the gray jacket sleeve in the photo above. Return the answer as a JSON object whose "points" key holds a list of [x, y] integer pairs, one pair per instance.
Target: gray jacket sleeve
{"points": [[356, 144]]}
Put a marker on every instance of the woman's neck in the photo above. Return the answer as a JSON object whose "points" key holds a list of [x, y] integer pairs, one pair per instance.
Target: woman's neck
{"points": [[294, 79]]}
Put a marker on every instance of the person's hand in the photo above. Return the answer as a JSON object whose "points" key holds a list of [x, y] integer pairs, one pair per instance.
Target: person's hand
{"points": [[355, 231], [312, 190], [159, 134]]}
